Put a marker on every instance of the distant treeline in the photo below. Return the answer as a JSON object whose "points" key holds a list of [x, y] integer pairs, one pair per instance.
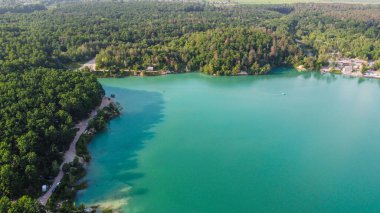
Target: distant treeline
{"points": [[71, 33], [29, 8]]}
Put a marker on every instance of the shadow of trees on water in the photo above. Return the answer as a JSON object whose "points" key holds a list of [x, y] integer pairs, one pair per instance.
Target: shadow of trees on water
{"points": [[114, 155]]}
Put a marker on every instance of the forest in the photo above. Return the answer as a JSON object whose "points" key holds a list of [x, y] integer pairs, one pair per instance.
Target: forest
{"points": [[222, 52], [42, 95], [73, 33], [22, 8], [37, 111]]}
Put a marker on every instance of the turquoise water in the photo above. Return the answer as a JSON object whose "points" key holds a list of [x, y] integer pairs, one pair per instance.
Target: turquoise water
{"points": [[197, 143]]}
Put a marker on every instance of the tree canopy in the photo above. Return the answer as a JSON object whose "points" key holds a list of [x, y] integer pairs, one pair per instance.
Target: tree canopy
{"points": [[37, 111], [41, 97]]}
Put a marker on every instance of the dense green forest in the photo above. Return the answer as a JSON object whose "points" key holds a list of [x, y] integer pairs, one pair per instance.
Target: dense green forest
{"points": [[348, 30], [74, 33], [61, 37], [37, 111], [24, 204], [40, 101], [22, 8], [221, 51]]}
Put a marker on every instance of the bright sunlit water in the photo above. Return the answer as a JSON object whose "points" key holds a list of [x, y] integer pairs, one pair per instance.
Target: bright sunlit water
{"points": [[286, 142]]}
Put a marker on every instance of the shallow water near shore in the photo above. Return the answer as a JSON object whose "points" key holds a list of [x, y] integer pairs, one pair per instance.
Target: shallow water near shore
{"points": [[286, 142]]}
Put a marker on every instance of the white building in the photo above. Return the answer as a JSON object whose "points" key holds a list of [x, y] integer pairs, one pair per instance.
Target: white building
{"points": [[347, 70], [44, 188]]}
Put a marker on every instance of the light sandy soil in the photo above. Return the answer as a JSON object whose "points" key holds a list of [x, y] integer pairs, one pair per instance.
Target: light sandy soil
{"points": [[90, 64], [71, 152]]}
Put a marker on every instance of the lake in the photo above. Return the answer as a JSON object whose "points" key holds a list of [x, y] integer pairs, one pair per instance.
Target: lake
{"points": [[285, 142]]}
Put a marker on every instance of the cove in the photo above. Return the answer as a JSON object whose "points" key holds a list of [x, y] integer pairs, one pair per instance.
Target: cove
{"points": [[285, 142]]}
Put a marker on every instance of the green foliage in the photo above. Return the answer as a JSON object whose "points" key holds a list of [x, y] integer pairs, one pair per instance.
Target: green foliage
{"points": [[226, 51], [376, 66], [5, 204], [107, 210], [72, 173], [28, 8], [37, 110], [24, 204], [77, 32], [82, 146], [65, 192], [338, 30], [134, 35], [39, 106], [99, 123]]}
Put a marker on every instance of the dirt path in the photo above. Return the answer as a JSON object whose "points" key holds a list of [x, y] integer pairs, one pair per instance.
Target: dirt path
{"points": [[71, 152], [90, 64]]}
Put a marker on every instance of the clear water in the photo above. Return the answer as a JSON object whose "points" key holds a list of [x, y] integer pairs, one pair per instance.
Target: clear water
{"points": [[286, 142]]}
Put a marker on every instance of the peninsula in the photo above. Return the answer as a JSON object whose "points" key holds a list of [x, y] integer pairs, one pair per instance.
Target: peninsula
{"points": [[54, 54]]}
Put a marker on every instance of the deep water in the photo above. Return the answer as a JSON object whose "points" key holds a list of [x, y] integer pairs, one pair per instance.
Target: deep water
{"points": [[286, 142]]}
